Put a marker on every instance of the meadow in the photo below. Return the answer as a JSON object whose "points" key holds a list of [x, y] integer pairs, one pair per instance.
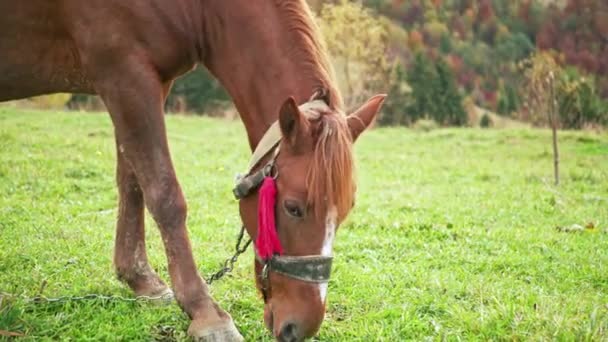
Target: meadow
{"points": [[457, 234]]}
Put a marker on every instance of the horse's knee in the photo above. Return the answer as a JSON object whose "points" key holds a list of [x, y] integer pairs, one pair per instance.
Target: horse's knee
{"points": [[167, 205]]}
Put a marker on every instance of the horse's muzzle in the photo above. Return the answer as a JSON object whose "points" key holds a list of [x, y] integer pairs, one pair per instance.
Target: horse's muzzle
{"points": [[290, 333]]}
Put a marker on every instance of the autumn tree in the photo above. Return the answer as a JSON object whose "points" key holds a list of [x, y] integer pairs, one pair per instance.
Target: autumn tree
{"points": [[357, 41], [578, 102], [542, 79]]}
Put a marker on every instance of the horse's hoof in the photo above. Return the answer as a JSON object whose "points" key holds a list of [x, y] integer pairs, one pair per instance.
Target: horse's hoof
{"points": [[223, 332], [163, 297]]}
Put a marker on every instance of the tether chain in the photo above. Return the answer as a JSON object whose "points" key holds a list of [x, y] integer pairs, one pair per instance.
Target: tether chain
{"points": [[229, 263], [167, 296], [115, 298]]}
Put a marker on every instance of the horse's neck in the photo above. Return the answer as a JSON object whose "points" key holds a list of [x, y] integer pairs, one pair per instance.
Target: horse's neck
{"points": [[254, 57]]}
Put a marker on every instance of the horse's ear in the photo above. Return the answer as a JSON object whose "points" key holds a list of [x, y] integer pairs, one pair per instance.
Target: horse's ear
{"points": [[363, 117], [291, 121]]}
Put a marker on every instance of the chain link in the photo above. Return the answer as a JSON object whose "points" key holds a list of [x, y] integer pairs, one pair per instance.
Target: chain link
{"points": [[229, 263], [167, 296], [227, 267]]}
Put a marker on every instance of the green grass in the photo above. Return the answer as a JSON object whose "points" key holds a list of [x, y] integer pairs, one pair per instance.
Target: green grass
{"points": [[454, 235]]}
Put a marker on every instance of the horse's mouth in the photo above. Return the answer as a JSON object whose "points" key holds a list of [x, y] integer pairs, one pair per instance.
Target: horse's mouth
{"points": [[268, 317], [289, 333]]}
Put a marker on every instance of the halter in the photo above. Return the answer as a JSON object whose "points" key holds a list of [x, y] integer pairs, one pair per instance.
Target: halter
{"points": [[307, 268]]}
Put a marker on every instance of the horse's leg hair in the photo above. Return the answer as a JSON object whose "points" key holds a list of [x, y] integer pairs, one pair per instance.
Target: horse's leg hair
{"points": [[130, 259], [134, 96]]}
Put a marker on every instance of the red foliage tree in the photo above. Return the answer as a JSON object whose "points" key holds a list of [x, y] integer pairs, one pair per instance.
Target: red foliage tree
{"points": [[546, 37], [437, 3], [523, 11], [580, 32], [414, 14], [603, 60], [588, 61], [458, 26], [485, 11]]}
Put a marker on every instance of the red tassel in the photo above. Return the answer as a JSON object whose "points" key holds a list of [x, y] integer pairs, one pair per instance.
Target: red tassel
{"points": [[267, 242]]}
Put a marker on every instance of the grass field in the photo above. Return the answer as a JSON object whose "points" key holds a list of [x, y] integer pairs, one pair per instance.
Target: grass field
{"points": [[457, 234]]}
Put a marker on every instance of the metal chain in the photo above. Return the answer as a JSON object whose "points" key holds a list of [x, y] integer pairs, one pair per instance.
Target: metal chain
{"points": [[40, 299], [229, 263], [167, 296]]}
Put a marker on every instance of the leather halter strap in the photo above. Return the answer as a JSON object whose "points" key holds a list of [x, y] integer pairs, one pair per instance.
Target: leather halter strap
{"points": [[308, 268], [273, 134], [270, 141]]}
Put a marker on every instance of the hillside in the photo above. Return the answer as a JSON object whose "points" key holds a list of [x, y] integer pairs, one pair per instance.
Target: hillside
{"points": [[484, 39]]}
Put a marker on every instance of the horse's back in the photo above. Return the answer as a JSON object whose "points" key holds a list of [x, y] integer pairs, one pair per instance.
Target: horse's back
{"points": [[51, 46], [37, 53]]}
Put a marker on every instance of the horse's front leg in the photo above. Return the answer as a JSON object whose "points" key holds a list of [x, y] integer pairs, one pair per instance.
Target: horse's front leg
{"points": [[130, 258], [134, 95]]}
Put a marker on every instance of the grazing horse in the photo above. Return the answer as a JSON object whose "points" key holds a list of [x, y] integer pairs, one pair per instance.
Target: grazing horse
{"points": [[269, 57]]}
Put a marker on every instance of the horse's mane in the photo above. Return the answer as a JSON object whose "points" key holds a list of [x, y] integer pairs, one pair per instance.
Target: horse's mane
{"points": [[308, 47], [330, 179]]}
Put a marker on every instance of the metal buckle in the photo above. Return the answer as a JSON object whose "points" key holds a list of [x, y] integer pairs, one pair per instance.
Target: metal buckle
{"points": [[270, 170], [265, 271]]}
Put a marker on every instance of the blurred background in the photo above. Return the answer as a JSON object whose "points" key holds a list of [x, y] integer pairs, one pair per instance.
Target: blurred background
{"points": [[480, 63]]}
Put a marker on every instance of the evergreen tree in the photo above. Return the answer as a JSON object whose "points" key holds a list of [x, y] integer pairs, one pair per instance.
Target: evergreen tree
{"points": [[445, 44], [422, 77], [508, 101], [449, 109], [396, 104], [435, 94], [200, 90]]}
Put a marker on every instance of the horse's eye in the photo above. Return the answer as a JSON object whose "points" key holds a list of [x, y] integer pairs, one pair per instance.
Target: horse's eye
{"points": [[293, 209]]}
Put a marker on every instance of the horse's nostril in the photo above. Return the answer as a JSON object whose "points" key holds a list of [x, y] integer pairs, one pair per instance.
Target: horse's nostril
{"points": [[289, 333]]}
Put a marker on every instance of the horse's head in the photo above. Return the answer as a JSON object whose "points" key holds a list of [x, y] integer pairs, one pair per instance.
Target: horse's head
{"points": [[313, 171]]}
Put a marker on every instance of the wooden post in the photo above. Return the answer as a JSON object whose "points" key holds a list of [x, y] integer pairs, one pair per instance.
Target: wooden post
{"points": [[554, 127]]}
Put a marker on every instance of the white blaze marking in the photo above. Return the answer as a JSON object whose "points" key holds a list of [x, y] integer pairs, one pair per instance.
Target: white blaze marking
{"points": [[328, 243]]}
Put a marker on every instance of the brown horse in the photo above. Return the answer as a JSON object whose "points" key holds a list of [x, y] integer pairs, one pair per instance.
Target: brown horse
{"points": [[269, 57]]}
